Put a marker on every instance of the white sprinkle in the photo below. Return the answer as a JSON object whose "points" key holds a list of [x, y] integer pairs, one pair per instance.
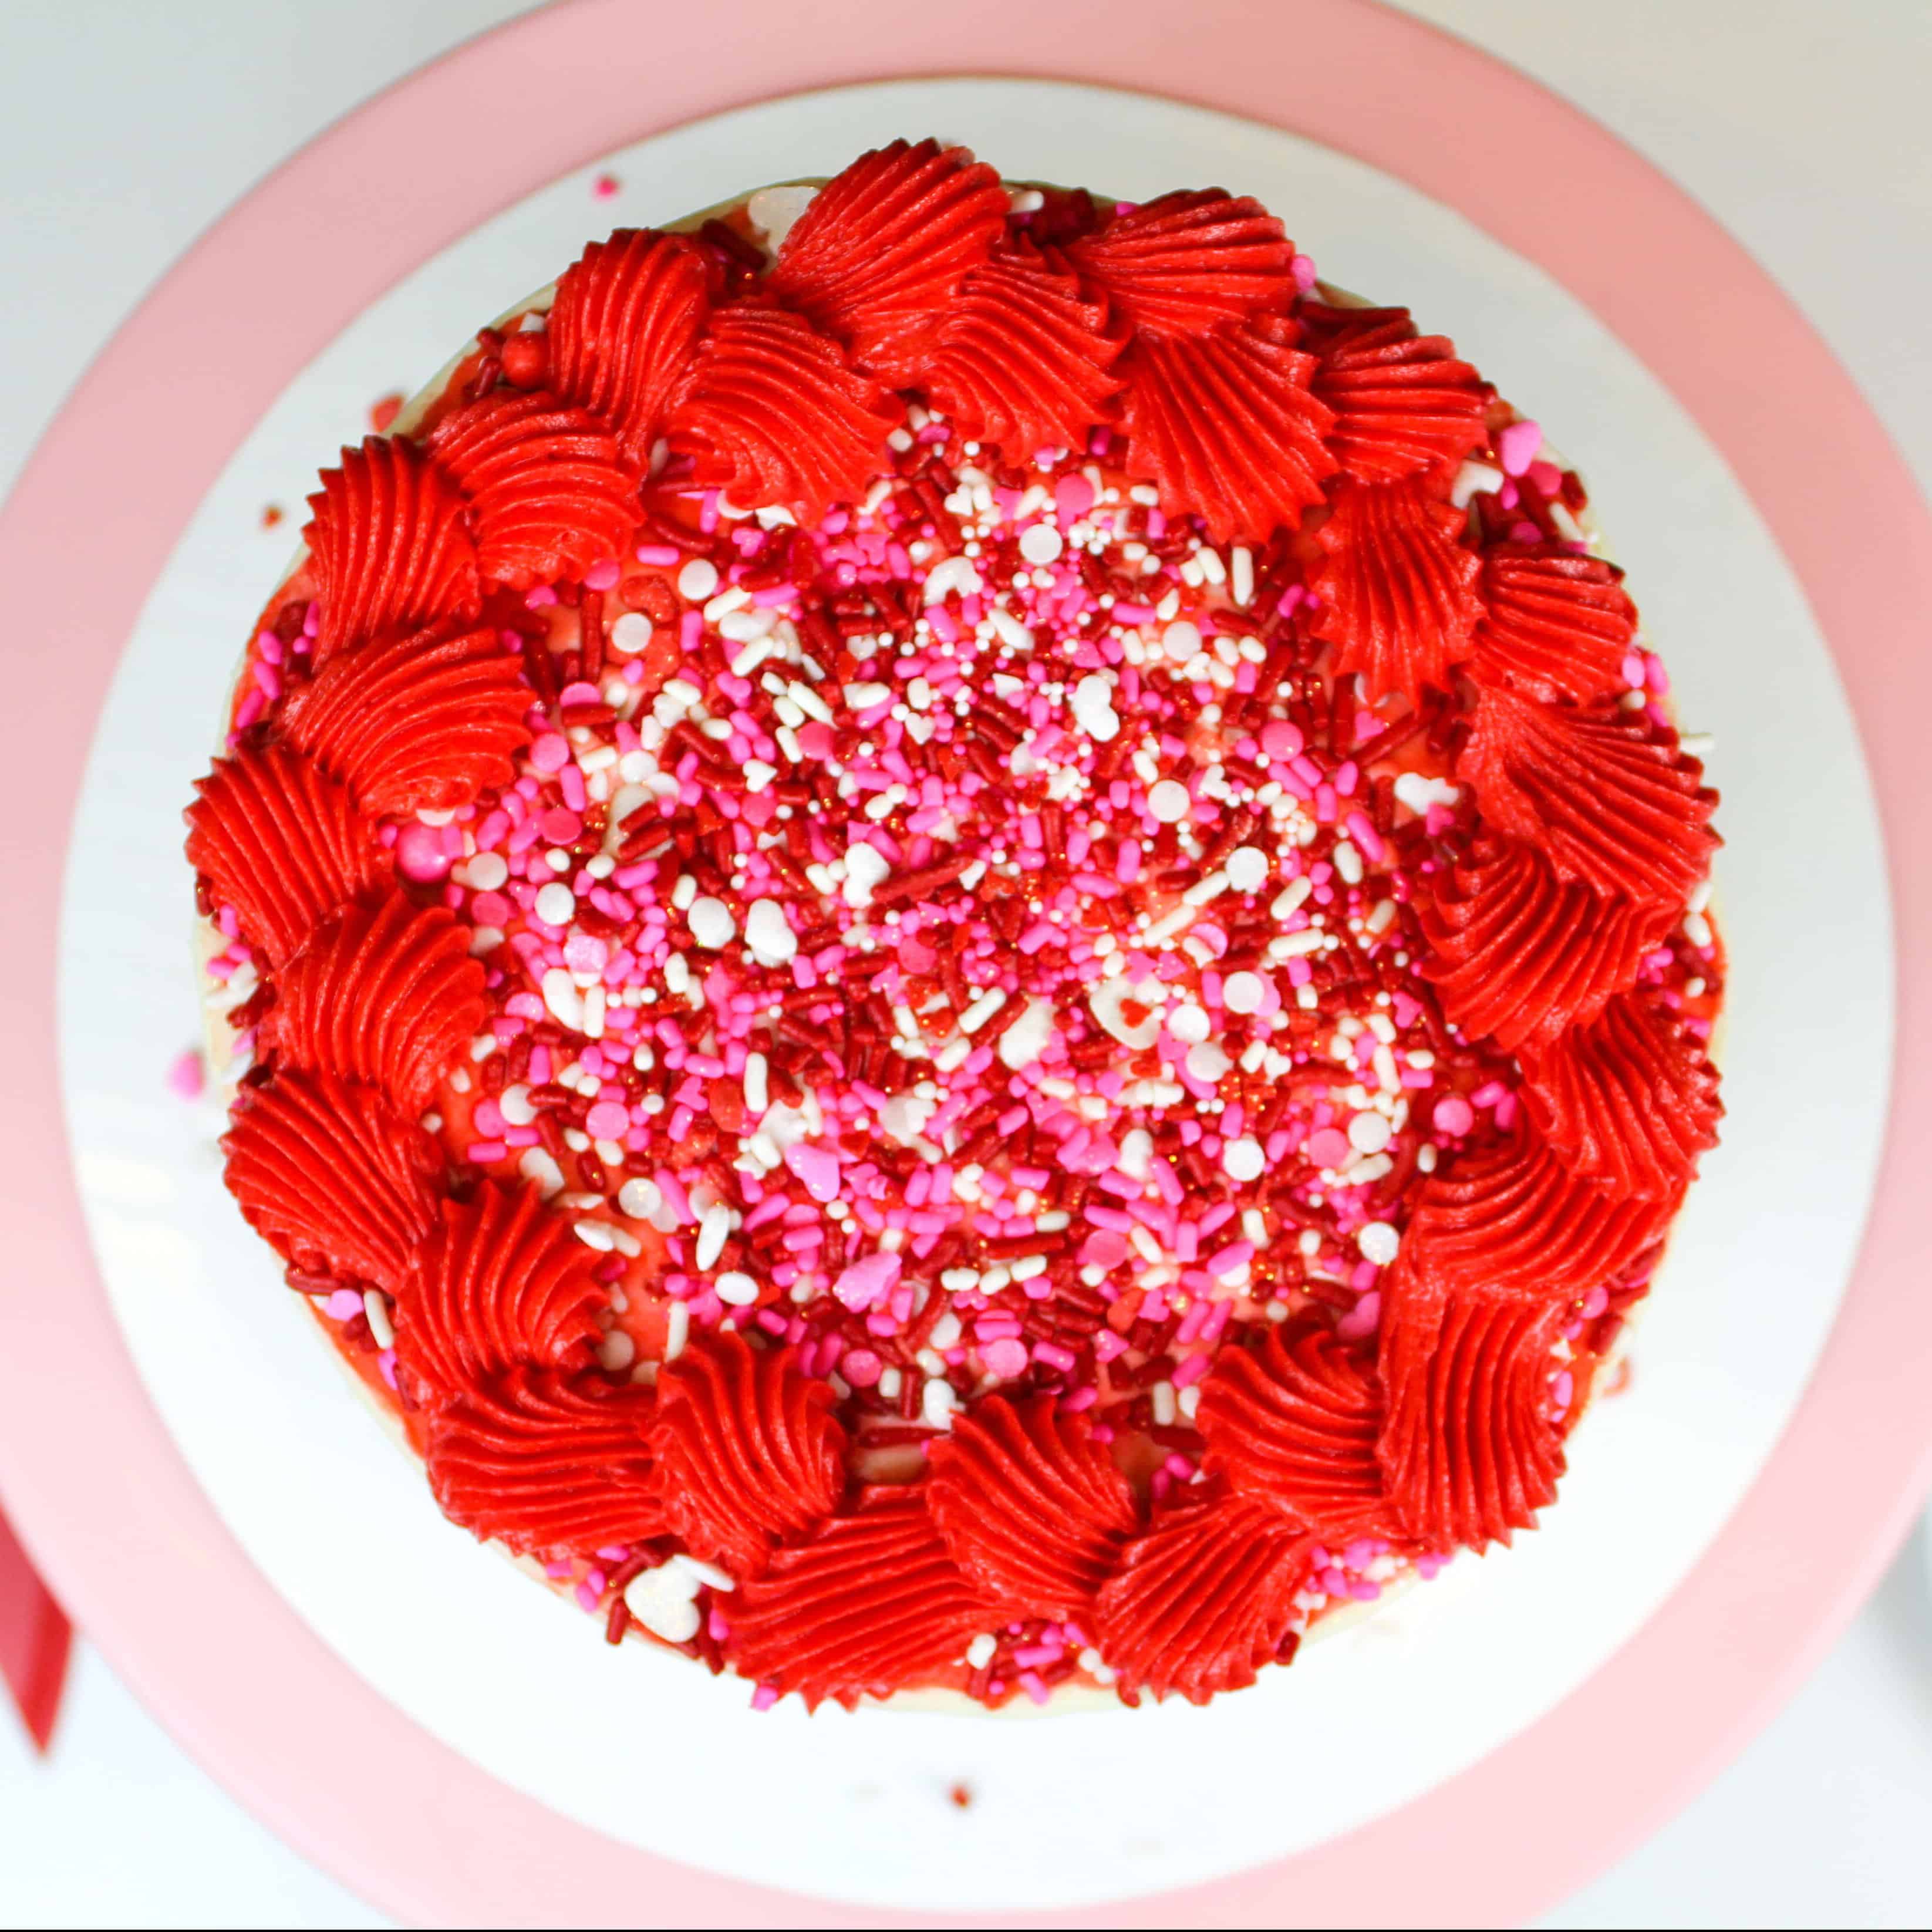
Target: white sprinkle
{"points": [[1370, 1133], [937, 1403], [740, 1291], [486, 871], [757, 1093], [677, 1329], [594, 1234], [630, 634], [556, 903], [865, 867], [1292, 945], [863, 697], [1379, 1242], [1697, 744], [712, 925], [772, 942], [1473, 479], [714, 1229], [1207, 1061], [1247, 868], [1243, 1158], [376, 1310], [1189, 1023], [697, 580], [1697, 928], [640, 1198], [1242, 589], [1041, 543], [950, 575], [979, 1651], [665, 1601], [1093, 709], [562, 998], [982, 1010], [543, 1174], [1181, 640], [1164, 1408], [1168, 801], [808, 701], [1025, 1039], [513, 1104], [1419, 794], [616, 1351], [1204, 890], [1106, 999], [1348, 862], [773, 211], [1136, 1153], [1244, 992]]}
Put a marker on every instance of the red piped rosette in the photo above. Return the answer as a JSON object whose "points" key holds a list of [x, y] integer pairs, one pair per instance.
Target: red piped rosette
{"points": [[749, 1455], [453, 610]]}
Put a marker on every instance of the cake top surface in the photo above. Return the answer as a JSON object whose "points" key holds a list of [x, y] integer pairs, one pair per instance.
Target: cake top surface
{"points": [[969, 949]]}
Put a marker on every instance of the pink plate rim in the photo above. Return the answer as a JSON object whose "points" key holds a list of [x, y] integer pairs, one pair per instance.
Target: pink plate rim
{"points": [[91, 1476]]}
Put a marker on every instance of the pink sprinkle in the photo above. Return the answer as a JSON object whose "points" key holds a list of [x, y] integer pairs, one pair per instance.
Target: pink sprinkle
{"points": [[344, 1304], [419, 853], [861, 1367], [819, 1170], [1453, 1115], [868, 1278], [1327, 1148], [1006, 1357], [605, 186], [185, 1076], [1362, 1319], [662, 556], [764, 1697], [1516, 447], [607, 1121], [551, 751], [601, 576], [1072, 497]]}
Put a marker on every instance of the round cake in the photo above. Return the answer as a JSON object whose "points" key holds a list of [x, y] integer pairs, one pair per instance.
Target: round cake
{"points": [[962, 940]]}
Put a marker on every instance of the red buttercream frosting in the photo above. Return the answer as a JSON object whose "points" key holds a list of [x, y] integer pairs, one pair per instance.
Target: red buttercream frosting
{"points": [[1402, 402], [1023, 355], [1184, 263], [1518, 954], [623, 330], [1610, 799], [873, 1601], [544, 1463], [1630, 1100], [332, 1177], [392, 547], [282, 843], [1031, 1507], [1555, 625], [1472, 1449], [415, 724], [885, 246], [749, 1455], [775, 412], [1513, 1220], [386, 993], [1397, 590], [501, 1282], [1226, 421], [1053, 1054], [1297, 1426], [1204, 1598], [549, 494]]}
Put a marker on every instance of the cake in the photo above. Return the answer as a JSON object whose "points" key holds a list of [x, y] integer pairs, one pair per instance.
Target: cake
{"points": [[962, 940]]}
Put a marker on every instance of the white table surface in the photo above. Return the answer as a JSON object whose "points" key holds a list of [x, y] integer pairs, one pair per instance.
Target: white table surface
{"points": [[126, 126]]}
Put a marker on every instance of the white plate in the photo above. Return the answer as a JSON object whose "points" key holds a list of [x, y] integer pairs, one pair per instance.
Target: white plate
{"points": [[1081, 1807]]}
